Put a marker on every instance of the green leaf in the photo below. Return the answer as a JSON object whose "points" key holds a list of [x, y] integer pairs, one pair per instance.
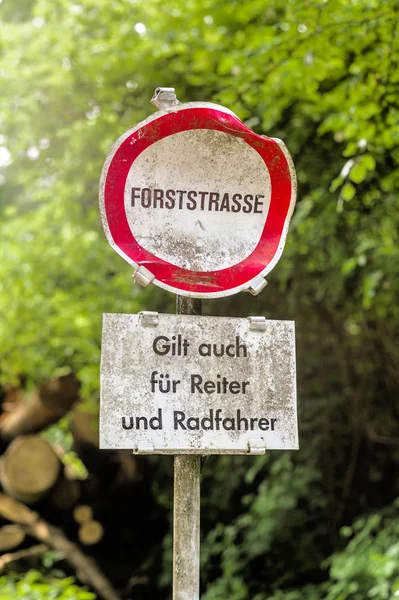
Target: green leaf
{"points": [[348, 192], [358, 172]]}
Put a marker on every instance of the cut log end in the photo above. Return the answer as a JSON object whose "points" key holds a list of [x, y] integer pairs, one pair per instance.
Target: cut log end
{"points": [[64, 494], [90, 533], [11, 536], [82, 513], [29, 468]]}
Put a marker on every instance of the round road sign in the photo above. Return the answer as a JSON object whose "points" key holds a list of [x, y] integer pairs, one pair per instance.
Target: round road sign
{"points": [[197, 202]]}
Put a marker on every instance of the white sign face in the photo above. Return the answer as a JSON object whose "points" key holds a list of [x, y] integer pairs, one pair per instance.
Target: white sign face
{"points": [[198, 199], [187, 384], [197, 202]]}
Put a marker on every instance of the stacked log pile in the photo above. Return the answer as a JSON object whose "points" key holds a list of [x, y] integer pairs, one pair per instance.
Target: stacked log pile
{"points": [[104, 526]]}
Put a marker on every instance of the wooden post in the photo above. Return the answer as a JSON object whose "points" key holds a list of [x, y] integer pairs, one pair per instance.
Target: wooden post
{"points": [[186, 510]]}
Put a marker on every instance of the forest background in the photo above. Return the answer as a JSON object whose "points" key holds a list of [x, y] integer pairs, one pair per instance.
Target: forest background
{"points": [[322, 75]]}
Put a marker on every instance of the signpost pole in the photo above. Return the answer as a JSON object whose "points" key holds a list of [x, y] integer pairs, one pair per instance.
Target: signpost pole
{"points": [[186, 511], [214, 225]]}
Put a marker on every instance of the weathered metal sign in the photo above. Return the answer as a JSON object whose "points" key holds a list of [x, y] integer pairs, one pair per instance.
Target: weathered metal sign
{"points": [[188, 384], [197, 202]]}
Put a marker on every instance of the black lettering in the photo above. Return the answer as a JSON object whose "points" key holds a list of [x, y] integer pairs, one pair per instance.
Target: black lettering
{"points": [[164, 385], [229, 421], [163, 349], [213, 200], [235, 387], [272, 423], [186, 344], [153, 381], [146, 202], [258, 204], [158, 197], [225, 204], [253, 421], [247, 201], [193, 423], [240, 347], [264, 424], [236, 203], [204, 350], [130, 426], [241, 420], [181, 194], [196, 381], [178, 418], [135, 195], [209, 387], [170, 199], [215, 350], [156, 422], [191, 195], [175, 383], [145, 422], [202, 196], [207, 422], [230, 351]]}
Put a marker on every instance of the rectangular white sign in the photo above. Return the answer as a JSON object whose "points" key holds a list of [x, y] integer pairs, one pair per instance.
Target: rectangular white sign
{"points": [[187, 384]]}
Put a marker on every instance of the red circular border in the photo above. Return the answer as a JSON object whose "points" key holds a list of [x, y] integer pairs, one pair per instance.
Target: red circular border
{"points": [[178, 277]]}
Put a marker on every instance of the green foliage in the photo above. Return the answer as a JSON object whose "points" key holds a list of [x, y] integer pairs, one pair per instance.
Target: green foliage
{"points": [[304, 71], [35, 586], [323, 76], [271, 516], [367, 568]]}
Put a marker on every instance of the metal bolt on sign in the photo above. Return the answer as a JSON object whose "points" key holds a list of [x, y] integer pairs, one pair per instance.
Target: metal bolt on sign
{"points": [[164, 98]]}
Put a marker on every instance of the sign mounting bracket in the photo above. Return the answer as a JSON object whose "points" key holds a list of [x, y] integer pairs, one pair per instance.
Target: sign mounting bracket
{"points": [[144, 449], [256, 446], [257, 324], [143, 276], [164, 98], [256, 286], [149, 318]]}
